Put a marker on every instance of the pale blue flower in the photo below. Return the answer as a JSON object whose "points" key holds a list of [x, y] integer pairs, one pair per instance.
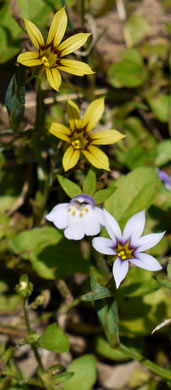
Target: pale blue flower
{"points": [[128, 246], [165, 178]]}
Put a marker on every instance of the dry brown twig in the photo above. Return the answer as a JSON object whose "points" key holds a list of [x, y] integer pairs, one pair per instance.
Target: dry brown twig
{"points": [[16, 13]]}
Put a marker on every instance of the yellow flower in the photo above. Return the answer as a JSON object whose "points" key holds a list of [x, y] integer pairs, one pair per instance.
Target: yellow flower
{"points": [[82, 139], [50, 55]]}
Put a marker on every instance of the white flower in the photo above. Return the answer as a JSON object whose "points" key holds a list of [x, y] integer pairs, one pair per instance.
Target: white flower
{"points": [[128, 246], [79, 217]]}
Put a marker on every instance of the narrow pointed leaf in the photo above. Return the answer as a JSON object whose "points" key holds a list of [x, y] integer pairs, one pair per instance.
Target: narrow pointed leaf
{"points": [[89, 186], [99, 293], [15, 98], [70, 188], [107, 313], [104, 194]]}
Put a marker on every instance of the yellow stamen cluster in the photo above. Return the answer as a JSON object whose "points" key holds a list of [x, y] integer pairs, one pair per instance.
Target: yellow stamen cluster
{"points": [[81, 210], [79, 140], [45, 61], [124, 251]]}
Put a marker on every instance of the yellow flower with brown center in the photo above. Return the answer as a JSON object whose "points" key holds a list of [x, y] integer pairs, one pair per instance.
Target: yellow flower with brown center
{"points": [[50, 55], [82, 139]]}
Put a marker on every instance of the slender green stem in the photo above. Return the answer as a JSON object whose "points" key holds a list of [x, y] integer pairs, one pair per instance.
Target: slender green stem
{"points": [[30, 331], [39, 106], [163, 372], [29, 79], [68, 306]]}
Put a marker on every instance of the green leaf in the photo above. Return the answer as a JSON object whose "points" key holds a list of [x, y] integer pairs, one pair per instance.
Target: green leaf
{"points": [[15, 98], [163, 153], [101, 195], [158, 50], [141, 311], [169, 271], [107, 312], [70, 188], [51, 255], [54, 339], [160, 106], [139, 148], [138, 28], [129, 72], [135, 192], [104, 349], [9, 303], [163, 282], [84, 369], [100, 293], [63, 377], [89, 186], [38, 12], [10, 33]]}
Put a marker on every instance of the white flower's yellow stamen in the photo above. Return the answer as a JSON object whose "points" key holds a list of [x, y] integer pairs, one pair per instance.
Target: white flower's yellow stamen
{"points": [[78, 208], [73, 210], [84, 211], [124, 251]]}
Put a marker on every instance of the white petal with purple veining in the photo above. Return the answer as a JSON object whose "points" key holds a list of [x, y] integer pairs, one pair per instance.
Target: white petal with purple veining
{"points": [[112, 227], [134, 227], [145, 261], [148, 241], [103, 245], [120, 269], [59, 215]]}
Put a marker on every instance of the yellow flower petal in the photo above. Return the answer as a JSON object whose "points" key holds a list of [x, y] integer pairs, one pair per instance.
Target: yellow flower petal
{"points": [[34, 34], [106, 137], [70, 158], [57, 28], [73, 43], [54, 78], [77, 68], [93, 114], [60, 131], [29, 58], [73, 115], [97, 158]]}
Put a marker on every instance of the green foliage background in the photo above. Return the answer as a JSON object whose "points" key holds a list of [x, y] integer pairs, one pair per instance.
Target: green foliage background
{"points": [[137, 97]]}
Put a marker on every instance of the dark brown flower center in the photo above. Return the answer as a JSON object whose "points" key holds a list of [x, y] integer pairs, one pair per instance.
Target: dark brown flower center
{"points": [[49, 56], [79, 139]]}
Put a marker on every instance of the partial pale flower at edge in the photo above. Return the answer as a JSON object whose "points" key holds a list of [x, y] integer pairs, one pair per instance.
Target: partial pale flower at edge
{"points": [[165, 178], [49, 56], [128, 246], [79, 217], [81, 138]]}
